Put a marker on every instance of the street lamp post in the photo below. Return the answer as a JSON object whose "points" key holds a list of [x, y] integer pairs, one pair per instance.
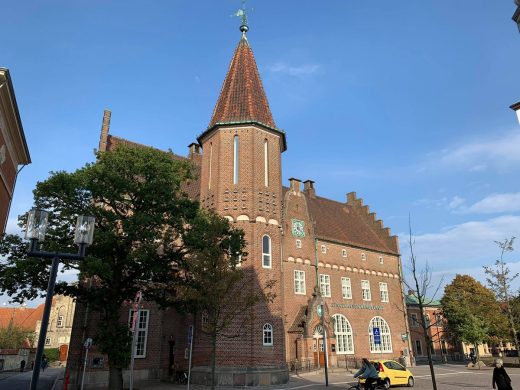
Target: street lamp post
{"points": [[36, 227]]}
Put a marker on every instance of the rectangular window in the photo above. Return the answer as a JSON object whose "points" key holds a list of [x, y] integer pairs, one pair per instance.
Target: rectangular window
{"points": [[298, 243], [418, 348], [235, 159], [325, 285], [141, 332], [344, 252], [266, 164], [47, 341], [414, 320], [59, 323], [365, 289], [299, 282], [346, 288], [323, 249], [363, 257], [383, 291], [381, 260]]}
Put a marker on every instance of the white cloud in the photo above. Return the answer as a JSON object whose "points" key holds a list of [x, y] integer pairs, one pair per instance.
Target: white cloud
{"points": [[496, 203], [456, 202], [291, 70], [500, 153], [465, 244]]}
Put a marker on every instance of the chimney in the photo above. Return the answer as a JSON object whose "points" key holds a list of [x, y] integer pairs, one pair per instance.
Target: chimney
{"points": [[295, 184], [194, 149], [516, 107], [308, 188], [105, 128]]}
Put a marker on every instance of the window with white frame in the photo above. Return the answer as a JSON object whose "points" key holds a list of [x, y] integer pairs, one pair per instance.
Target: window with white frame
{"points": [[268, 334], [204, 319], [385, 335], [299, 282], [383, 291], [47, 341], [346, 288], [365, 290], [344, 335], [325, 285], [381, 260], [363, 256], [323, 249], [298, 243], [141, 332], [266, 251], [59, 323], [344, 252]]}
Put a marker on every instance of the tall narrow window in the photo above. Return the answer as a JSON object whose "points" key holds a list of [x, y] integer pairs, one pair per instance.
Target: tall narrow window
{"points": [[365, 289], [266, 251], [344, 335], [325, 285], [210, 163], [346, 288], [385, 335], [299, 282], [268, 334], [383, 291], [141, 329], [266, 164], [235, 160]]}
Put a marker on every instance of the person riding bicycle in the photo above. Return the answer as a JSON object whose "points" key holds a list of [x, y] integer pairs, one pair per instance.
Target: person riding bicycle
{"points": [[367, 372]]}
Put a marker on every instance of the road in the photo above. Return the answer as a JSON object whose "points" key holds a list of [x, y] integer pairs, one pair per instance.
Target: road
{"points": [[22, 380]]}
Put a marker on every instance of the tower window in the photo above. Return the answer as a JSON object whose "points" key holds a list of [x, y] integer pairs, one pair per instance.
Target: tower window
{"points": [[266, 164], [298, 243], [323, 249], [235, 159], [266, 251], [268, 334]]}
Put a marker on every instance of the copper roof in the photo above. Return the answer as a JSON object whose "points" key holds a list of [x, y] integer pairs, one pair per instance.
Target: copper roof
{"points": [[242, 98]]}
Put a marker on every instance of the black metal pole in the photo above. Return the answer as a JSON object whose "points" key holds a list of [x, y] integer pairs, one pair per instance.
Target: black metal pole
{"points": [[45, 323]]}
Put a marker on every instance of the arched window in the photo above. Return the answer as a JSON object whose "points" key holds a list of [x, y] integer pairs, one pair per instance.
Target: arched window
{"points": [[268, 334], [385, 335], [344, 336], [266, 164], [266, 251], [235, 160]]}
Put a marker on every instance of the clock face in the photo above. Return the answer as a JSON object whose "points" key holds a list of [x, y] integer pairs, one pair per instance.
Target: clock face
{"points": [[298, 228]]}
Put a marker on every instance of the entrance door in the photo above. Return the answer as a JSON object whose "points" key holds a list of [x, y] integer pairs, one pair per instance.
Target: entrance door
{"points": [[319, 353]]}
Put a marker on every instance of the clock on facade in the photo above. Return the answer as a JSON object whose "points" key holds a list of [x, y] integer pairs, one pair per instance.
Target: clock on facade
{"points": [[298, 228]]}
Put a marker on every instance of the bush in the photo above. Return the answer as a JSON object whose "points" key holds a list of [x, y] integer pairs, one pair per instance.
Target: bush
{"points": [[52, 354]]}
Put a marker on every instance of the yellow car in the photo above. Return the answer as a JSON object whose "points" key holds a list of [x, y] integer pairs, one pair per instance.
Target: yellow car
{"points": [[393, 373]]}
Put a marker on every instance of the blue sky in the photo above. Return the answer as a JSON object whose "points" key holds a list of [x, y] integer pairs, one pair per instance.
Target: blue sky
{"points": [[406, 103]]}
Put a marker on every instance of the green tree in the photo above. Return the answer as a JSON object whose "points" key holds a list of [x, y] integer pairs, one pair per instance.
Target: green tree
{"points": [[14, 336], [141, 214], [472, 311], [215, 265], [499, 279]]}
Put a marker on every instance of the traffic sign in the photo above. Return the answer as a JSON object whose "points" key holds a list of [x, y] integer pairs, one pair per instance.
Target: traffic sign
{"points": [[377, 336]]}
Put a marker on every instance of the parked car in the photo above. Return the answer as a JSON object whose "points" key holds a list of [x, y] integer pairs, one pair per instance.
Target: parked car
{"points": [[393, 373]]}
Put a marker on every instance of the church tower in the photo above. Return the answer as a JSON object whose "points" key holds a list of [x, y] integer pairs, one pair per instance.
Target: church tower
{"points": [[241, 180]]}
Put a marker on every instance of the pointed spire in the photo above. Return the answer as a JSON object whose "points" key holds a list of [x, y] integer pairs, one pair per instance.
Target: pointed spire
{"points": [[242, 98]]}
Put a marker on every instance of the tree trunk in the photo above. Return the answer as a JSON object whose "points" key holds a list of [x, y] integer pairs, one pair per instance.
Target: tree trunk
{"points": [[430, 361], [213, 359], [115, 378]]}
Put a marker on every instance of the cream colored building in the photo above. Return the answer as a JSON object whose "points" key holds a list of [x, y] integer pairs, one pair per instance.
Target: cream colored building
{"points": [[60, 322]]}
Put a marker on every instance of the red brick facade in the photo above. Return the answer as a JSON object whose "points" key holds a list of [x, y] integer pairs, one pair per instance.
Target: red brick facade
{"points": [[13, 147], [241, 178]]}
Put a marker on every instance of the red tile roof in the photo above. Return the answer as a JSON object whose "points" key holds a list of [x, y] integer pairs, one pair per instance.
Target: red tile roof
{"points": [[242, 98], [25, 317]]}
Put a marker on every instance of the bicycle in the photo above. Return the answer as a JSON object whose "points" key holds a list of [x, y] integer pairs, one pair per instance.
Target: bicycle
{"points": [[379, 385]]}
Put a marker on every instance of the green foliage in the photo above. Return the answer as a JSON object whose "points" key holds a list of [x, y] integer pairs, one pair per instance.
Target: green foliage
{"points": [[141, 214], [52, 354], [14, 336], [472, 312]]}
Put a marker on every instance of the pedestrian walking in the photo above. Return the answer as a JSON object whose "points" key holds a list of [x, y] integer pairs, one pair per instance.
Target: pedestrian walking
{"points": [[473, 357], [501, 380], [22, 365], [44, 362]]}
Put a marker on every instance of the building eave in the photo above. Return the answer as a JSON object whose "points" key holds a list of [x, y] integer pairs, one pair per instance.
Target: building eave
{"points": [[5, 77], [274, 130]]}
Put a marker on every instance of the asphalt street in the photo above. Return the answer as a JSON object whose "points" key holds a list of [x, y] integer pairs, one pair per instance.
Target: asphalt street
{"points": [[22, 380]]}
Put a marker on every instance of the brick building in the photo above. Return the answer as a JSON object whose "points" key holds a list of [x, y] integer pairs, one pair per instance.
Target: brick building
{"points": [[333, 258], [13, 147]]}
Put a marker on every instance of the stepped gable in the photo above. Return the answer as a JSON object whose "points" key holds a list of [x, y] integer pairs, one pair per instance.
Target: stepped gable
{"points": [[349, 223], [242, 97], [191, 188]]}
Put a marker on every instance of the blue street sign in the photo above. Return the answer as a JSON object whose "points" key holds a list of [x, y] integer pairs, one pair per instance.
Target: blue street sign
{"points": [[377, 336]]}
